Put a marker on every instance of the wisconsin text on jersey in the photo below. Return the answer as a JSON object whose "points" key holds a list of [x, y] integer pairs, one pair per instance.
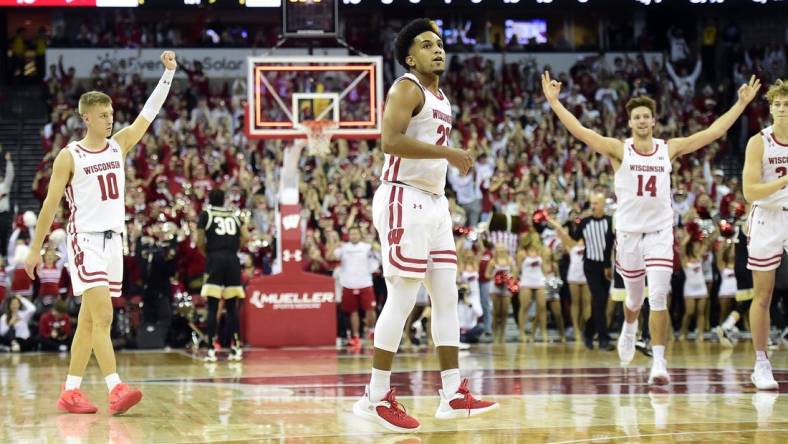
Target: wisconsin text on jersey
{"points": [[99, 167], [647, 168], [777, 160], [436, 114]]}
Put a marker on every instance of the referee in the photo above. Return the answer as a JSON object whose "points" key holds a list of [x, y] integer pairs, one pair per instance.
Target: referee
{"points": [[596, 231]]}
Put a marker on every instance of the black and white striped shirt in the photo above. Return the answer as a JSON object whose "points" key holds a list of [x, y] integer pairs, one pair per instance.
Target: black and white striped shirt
{"points": [[597, 233]]}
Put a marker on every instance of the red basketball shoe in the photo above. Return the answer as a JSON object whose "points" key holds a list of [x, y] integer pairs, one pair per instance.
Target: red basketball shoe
{"points": [[462, 404], [354, 344], [74, 401], [122, 398], [388, 412]]}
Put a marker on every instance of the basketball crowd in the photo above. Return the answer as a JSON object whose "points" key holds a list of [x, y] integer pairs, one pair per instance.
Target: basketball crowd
{"points": [[525, 161]]}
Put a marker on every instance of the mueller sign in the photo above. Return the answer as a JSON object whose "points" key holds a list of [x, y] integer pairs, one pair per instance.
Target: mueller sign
{"points": [[291, 300]]}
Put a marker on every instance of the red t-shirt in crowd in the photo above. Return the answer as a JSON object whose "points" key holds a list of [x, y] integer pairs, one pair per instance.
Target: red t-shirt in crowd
{"points": [[48, 321]]}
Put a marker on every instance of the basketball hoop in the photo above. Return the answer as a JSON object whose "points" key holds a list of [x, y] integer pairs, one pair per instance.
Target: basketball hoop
{"points": [[318, 134]]}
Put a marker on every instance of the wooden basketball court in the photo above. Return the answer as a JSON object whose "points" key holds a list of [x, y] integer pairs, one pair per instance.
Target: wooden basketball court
{"points": [[547, 392]]}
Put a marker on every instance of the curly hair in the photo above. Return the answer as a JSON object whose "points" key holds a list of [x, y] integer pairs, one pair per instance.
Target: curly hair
{"points": [[642, 101], [780, 88], [407, 34]]}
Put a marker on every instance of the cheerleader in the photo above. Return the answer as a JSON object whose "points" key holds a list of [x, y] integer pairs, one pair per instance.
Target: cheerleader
{"points": [[553, 286], [695, 291], [743, 300], [49, 276], [580, 310], [535, 262], [469, 307], [4, 281], [500, 270], [726, 262]]}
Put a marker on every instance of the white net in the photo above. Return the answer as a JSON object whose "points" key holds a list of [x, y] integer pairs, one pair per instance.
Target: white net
{"points": [[318, 134]]}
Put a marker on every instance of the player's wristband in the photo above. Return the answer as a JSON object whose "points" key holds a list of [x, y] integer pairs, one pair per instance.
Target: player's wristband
{"points": [[158, 96]]}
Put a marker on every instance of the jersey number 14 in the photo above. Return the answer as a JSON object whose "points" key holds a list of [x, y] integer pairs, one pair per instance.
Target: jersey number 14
{"points": [[650, 187]]}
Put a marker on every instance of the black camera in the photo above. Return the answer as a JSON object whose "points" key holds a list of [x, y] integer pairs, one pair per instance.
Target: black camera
{"points": [[462, 292]]}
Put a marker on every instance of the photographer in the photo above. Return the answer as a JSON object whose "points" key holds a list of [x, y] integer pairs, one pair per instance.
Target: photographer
{"points": [[469, 308], [156, 259], [15, 323], [55, 329]]}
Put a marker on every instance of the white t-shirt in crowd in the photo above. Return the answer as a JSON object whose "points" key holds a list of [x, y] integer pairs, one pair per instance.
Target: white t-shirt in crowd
{"points": [[357, 263]]}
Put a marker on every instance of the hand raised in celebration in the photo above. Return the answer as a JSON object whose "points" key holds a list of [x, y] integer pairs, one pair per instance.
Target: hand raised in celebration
{"points": [[551, 88], [748, 91], [168, 59]]}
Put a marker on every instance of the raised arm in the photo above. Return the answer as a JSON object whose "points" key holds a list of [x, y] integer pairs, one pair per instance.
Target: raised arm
{"points": [[693, 77], [752, 185], [672, 73], [608, 146], [685, 145], [61, 174], [404, 100], [129, 136], [9, 172], [566, 239]]}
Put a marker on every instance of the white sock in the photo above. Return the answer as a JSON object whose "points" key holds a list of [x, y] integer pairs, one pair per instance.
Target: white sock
{"points": [[660, 416], [659, 352], [379, 384], [730, 321], [451, 381], [760, 356], [112, 381], [630, 328], [73, 382]]}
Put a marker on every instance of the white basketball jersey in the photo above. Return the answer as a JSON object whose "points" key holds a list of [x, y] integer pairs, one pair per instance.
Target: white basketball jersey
{"points": [[431, 125], [643, 189], [774, 166], [96, 192]]}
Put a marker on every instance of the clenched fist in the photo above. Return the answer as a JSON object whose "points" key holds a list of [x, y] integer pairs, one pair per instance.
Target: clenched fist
{"points": [[168, 59]]}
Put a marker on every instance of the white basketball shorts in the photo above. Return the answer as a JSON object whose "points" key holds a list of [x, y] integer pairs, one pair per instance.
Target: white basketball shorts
{"points": [[767, 237], [95, 261], [637, 251], [415, 230]]}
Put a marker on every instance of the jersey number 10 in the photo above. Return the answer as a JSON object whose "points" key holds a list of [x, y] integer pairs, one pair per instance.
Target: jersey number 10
{"points": [[651, 185], [109, 186]]}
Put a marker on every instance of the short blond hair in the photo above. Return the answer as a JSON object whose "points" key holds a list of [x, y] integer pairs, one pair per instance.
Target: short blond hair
{"points": [[780, 88], [91, 99]]}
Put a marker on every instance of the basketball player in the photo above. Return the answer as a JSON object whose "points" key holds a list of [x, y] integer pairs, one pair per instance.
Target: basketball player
{"points": [[765, 179], [90, 172], [220, 235], [411, 215], [644, 219]]}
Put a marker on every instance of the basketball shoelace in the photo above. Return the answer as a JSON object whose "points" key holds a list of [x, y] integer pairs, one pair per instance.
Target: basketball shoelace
{"points": [[467, 398], [76, 397], [399, 409]]}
